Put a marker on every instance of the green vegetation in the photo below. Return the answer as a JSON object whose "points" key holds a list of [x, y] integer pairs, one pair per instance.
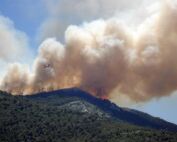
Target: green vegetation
{"points": [[24, 120]]}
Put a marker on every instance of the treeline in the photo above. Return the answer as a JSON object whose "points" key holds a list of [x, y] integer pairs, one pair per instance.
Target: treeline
{"points": [[23, 120]]}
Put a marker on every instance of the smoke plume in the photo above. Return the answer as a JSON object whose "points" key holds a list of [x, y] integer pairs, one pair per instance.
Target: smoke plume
{"points": [[106, 55], [12, 41]]}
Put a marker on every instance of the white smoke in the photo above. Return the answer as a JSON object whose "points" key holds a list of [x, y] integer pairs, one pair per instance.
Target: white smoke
{"points": [[12, 41], [107, 55]]}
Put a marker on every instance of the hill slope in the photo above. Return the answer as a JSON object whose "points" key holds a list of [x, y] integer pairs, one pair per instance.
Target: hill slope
{"points": [[131, 116], [67, 118]]}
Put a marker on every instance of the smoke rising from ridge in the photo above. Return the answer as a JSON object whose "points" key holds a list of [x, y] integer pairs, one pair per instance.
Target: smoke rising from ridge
{"points": [[106, 55]]}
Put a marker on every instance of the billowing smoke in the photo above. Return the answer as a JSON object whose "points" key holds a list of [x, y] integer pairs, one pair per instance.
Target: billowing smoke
{"points": [[104, 56]]}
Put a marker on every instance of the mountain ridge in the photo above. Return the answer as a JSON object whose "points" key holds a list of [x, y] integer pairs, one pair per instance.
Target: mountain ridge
{"points": [[125, 114], [69, 115]]}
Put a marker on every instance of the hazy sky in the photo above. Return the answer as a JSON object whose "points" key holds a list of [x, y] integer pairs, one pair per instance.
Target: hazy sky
{"points": [[26, 23]]}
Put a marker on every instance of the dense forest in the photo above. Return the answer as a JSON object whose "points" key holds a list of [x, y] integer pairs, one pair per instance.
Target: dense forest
{"points": [[25, 120]]}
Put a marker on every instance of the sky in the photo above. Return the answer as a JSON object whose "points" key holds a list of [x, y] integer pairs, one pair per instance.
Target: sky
{"points": [[25, 25]]}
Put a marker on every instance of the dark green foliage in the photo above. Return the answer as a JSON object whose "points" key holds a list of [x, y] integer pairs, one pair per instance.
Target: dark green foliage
{"points": [[77, 99], [25, 120]]}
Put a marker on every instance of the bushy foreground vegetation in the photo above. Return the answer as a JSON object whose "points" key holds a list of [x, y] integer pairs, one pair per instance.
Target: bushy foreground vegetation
{"points": [[24, 120]]}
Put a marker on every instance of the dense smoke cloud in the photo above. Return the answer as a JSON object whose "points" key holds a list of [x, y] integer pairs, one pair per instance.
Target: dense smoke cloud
{"points": [[104, 56], [61, 13]]}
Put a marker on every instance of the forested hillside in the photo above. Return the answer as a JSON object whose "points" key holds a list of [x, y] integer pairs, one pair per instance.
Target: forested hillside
{"points": [[25, 120]]}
